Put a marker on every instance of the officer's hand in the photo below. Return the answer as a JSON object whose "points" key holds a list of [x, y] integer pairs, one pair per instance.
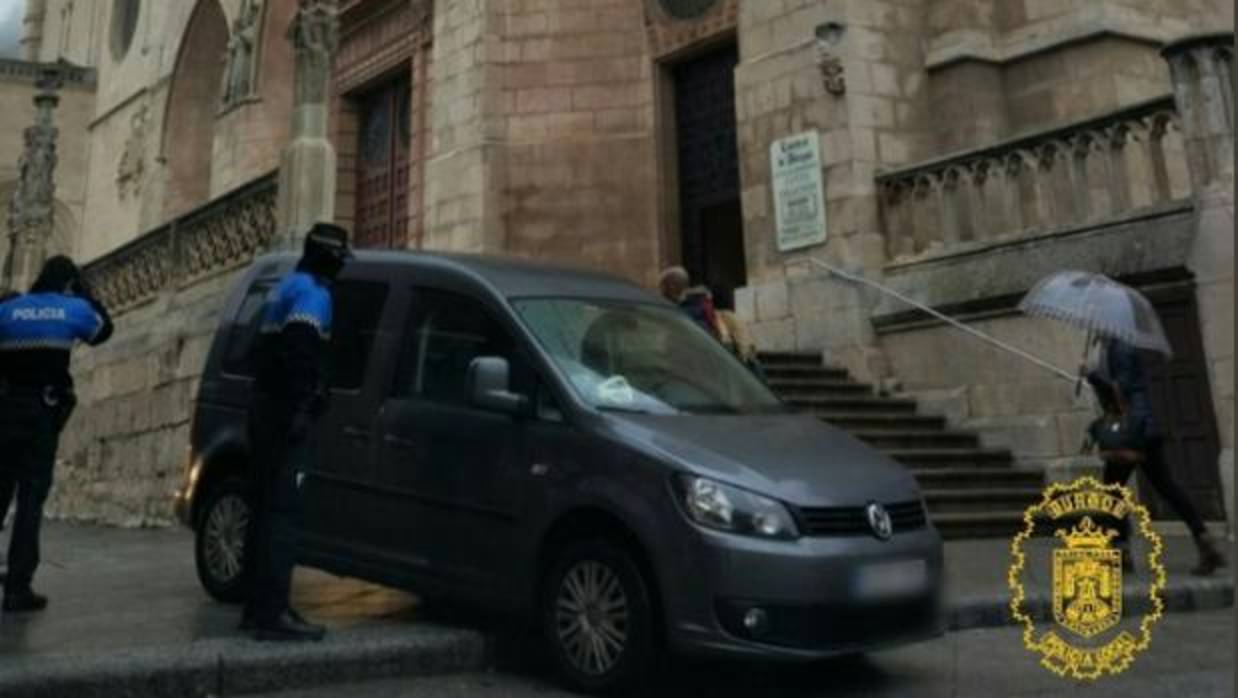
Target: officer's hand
{"points": [[299, 428]]}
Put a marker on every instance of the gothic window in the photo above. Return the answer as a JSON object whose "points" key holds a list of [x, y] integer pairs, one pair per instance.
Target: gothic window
{"points": [[383, 159], [124, 25]]}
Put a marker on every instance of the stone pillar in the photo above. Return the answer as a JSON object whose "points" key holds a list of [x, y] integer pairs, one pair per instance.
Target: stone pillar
{"points": [[32, 29], [1201, 67], [30, 215], [307, 167]]}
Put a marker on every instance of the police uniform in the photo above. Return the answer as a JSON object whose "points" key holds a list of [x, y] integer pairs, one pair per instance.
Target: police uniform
{"points": [[37, 332], [289, 393]]}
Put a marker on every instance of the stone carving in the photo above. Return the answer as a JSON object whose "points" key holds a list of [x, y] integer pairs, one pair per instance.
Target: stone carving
{"points": [[225, 234], [30, 217], [828, 61], [133, 160], [1039, 183], [315, 36], [227, 237], [240, 58]]}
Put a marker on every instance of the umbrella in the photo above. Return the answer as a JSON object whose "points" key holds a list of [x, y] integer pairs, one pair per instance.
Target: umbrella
{"points": [[1099, 305]]}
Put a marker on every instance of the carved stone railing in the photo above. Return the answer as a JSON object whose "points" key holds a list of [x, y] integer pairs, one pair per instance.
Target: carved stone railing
{"points": [[221, 235], [1084, 174], [14, 69]]}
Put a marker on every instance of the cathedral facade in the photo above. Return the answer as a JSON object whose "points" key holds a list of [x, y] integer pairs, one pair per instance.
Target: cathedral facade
{"points": [[954, 151]]}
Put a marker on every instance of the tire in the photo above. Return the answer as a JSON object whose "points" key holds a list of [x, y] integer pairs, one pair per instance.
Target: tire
{"points": [[219, 540], [595, 653]]}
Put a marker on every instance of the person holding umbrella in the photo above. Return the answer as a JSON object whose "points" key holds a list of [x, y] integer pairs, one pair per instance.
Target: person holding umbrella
{"points": [[1120, 321]]}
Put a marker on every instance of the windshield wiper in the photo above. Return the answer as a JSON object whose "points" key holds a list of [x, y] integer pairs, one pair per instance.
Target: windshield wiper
{"points": [[624, 410]]}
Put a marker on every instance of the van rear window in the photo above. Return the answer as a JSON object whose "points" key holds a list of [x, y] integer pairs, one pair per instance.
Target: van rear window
{"points": [[238, 355]]}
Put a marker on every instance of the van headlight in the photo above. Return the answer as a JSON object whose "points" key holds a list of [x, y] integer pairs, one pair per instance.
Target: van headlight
{"points": [[728, 508]]}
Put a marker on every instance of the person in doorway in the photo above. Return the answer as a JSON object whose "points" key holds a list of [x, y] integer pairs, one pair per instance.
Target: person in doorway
{"points": [[37, 332], [675, 286], [1129, 437], [289, 394]]}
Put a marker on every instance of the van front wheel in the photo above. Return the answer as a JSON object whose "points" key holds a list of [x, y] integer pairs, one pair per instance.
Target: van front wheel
{"points": [[219, 545], [597, 616]]}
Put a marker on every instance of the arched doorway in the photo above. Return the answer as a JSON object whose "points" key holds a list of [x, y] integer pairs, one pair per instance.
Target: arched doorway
{"points": [[189, 122]]}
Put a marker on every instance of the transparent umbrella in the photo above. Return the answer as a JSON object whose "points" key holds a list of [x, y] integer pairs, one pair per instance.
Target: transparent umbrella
{"points": [[1099, 305]]}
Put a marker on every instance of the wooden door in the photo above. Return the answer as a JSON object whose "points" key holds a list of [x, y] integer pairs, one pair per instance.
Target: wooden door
{"points": [[711, 224], [1182, 401], [384, 135]]}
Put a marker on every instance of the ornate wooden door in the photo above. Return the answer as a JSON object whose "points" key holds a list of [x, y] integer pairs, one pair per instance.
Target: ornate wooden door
{"points": [[711, 224], [384, 143]]}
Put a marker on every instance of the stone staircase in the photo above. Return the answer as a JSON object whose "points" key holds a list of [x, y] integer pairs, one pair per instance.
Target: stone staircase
{"points": [[972, 492]]}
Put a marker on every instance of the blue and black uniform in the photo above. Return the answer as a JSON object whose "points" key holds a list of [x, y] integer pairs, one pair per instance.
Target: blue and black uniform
{"points": [[290, 389], [38, 330]]}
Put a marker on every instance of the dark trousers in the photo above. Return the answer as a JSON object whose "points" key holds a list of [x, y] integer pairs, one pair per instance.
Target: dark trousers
{"points": [[1157, 471], [274, 530], [29, 435]]}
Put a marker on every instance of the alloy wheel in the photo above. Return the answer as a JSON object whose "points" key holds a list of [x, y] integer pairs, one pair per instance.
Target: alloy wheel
{"points": [[591, 617], [224, 537]]}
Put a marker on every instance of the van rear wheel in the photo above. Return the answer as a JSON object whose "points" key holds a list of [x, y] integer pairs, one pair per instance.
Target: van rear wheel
{"points": [[219, 544], [597, 616]]}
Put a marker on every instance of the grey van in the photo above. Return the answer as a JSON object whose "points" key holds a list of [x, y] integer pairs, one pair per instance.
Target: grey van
{"points": [[567, 447]]}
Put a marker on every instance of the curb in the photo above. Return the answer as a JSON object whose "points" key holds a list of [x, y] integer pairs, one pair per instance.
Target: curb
{"points": [[993, 611], [226, 666]]}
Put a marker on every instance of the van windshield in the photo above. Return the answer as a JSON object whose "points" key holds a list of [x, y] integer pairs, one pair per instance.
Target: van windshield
{"points": [[640, 357]]}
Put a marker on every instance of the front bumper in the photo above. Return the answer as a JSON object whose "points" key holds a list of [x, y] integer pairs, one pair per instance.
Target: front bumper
{"points": [[806, 592]]}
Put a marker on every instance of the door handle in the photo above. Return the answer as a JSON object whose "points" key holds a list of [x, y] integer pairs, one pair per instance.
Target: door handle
{"points": [[398, 441]]}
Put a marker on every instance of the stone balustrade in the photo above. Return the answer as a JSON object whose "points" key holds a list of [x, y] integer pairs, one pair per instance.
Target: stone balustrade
{"points": [[29, 71], [218, 237], [1107, 168]]}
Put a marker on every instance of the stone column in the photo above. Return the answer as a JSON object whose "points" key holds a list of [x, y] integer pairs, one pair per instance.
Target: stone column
{"points": [[32, 29], [1201, 68], [307, 167], [30, 214]]}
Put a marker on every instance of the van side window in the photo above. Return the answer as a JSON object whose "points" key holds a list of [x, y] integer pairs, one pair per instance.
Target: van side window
{"points": [[238, 355], [446, 332], [357, 311]]}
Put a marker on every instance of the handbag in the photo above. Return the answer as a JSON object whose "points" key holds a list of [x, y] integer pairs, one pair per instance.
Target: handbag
{"points": [[1118, 433]]}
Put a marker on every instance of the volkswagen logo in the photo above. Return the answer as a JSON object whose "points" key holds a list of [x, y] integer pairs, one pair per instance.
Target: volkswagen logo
{"points": [[879, 521]]}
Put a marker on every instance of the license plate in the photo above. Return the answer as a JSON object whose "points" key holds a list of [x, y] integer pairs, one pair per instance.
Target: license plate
{"points": [[886, 579]]}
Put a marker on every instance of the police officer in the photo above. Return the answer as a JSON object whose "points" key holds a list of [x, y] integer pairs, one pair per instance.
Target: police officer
{"points": [[289, 393], [37, 331]]}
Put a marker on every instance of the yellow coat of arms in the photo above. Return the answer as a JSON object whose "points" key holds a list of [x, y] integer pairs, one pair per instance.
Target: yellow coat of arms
{"points": [[1087, 580], [1086, 639]]}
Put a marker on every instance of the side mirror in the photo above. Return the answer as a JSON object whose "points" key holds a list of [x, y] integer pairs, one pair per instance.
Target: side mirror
{"points": [[489, 386]]}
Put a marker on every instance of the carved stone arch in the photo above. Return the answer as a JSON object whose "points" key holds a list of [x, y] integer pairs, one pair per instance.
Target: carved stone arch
{"points": [[189, 116]]}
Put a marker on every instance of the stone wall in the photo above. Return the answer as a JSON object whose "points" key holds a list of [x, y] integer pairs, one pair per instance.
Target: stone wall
{"points": [[1012, 402], [124, 450], [572, 107]]}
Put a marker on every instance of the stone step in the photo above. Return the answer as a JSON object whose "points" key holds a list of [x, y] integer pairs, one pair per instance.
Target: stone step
{"points": [[950, 457], [898, 439], [863, 421], [790, 358], [980, 500], [982, 477], [988, 524], [807, 391], [855, 404], [796, 371]]}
